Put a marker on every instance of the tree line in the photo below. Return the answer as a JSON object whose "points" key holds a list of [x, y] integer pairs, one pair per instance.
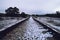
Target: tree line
{"points": [[13, 12], [57, 14]]}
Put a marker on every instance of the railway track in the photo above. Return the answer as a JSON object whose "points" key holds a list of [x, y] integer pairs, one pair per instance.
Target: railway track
{"points": [[30, 30], [56, 34]]}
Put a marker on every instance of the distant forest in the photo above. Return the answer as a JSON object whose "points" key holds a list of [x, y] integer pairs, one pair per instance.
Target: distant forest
{"points": [[57, 14]]}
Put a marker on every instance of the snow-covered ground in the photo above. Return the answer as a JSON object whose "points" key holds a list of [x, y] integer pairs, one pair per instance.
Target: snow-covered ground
{"points": [[29, 30], [9, 21], [53, 22]]}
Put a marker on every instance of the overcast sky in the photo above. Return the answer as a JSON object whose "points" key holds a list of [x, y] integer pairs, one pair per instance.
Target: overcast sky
{"points": [[31, 5]]}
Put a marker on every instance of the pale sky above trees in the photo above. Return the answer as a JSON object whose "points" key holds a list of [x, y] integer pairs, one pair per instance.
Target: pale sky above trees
{"points": [[31, 5]]}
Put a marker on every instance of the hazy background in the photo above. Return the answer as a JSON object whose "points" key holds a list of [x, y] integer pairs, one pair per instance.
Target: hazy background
{"points": [[32, 6]]}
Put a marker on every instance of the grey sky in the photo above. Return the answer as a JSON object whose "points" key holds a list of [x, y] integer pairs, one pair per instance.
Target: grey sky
{"points": [[31, 5]]}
